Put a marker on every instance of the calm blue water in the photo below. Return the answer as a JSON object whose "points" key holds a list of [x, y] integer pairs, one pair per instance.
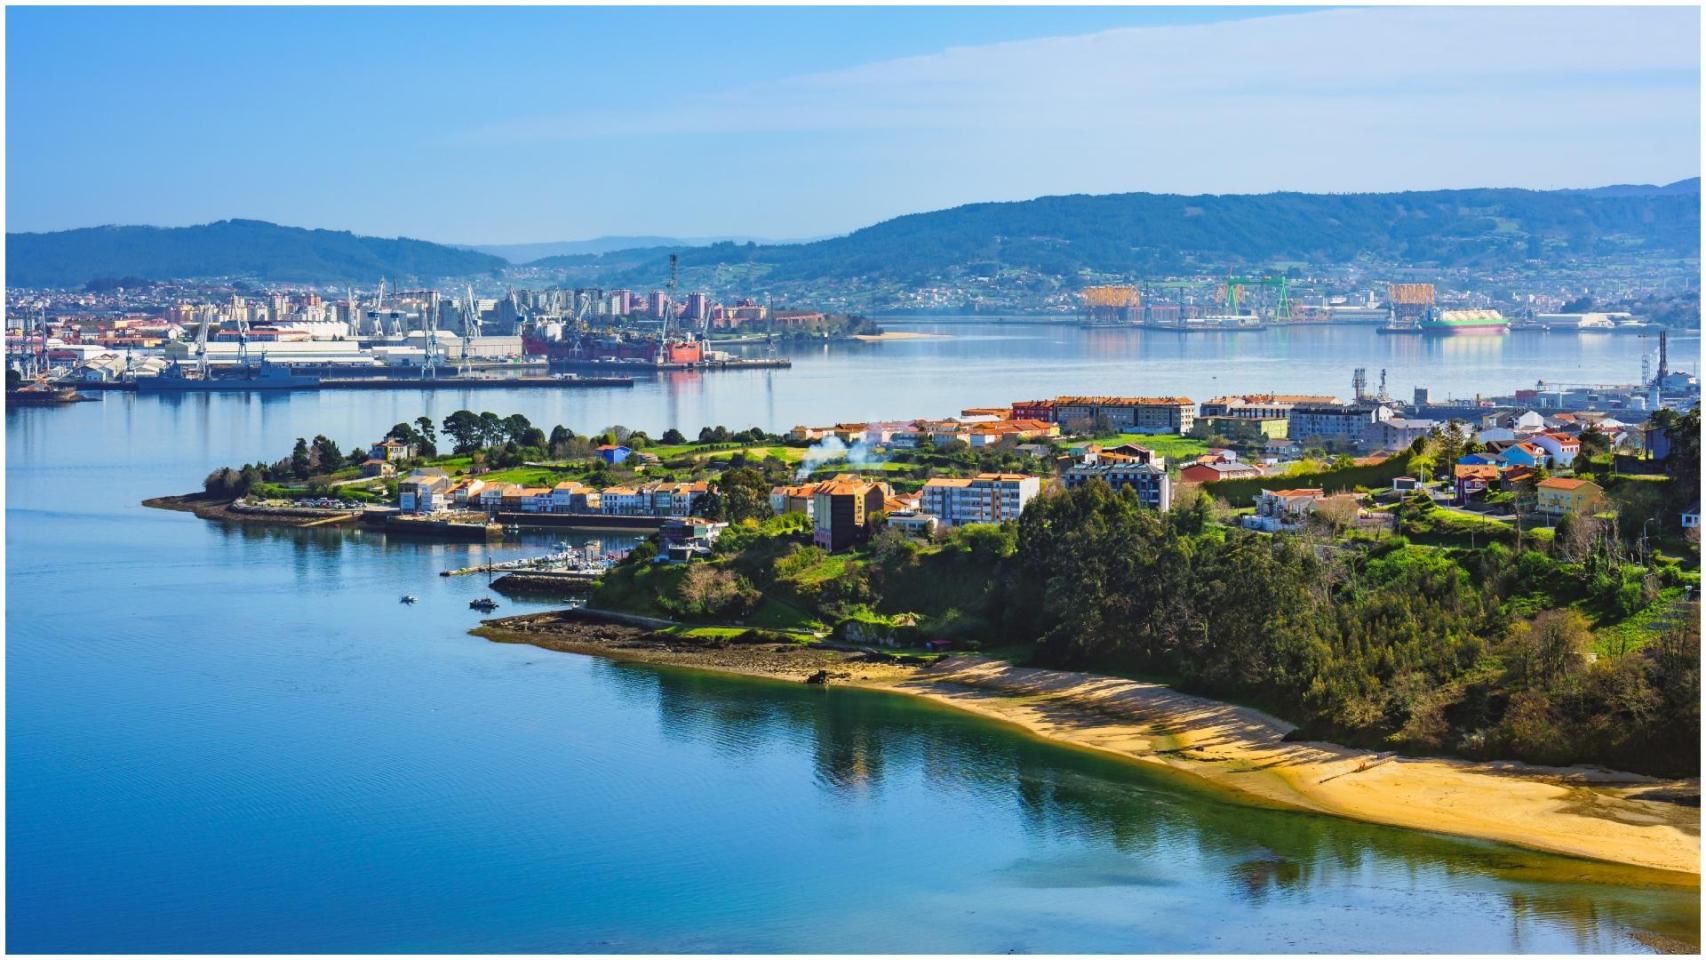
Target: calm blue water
{"points": [[226, 739]]}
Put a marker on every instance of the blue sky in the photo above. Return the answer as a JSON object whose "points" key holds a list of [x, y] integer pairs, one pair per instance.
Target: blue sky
{"points": [[533, 124]]}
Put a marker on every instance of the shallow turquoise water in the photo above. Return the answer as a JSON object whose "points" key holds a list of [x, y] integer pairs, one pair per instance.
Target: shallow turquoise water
{"points": [[222, 739]]}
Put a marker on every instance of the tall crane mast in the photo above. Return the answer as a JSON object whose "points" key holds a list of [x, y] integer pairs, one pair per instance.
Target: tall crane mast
{"points": [[669, 299], [243, 339], [429, 369], [201, 344], [470, 329]]}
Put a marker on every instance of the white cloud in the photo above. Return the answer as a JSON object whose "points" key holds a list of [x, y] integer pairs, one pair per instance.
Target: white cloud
{"points": [[1482, 69]]}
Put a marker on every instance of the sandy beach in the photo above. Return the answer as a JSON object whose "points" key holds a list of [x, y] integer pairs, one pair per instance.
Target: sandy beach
{"points": [[1577, 811]]}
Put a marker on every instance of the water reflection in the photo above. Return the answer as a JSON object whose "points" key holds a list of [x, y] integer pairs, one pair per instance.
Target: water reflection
{"points": [[1150, 825]]}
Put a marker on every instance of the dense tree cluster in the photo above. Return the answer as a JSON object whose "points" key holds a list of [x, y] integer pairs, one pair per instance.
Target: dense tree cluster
{"points": [[1383, 644]]}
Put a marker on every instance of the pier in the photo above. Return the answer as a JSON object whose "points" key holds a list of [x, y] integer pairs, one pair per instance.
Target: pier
{"points": [[407, 383]]}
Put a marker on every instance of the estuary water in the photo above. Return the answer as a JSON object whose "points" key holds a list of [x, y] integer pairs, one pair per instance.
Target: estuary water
{"points": [[237, 740]]}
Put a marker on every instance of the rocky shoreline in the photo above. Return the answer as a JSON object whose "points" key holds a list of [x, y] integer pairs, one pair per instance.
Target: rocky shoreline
{"points": [[753, 654], [210, 508], [1621, 820]]}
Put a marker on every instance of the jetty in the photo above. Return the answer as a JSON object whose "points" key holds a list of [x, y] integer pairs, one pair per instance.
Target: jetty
{"points": [[575, 562]]}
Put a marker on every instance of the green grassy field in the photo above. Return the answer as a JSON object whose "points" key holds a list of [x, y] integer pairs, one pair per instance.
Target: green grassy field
{"points": [[1171, 446]]}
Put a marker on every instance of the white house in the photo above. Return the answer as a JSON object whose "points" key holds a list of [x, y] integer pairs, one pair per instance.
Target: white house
{"points": [[424, 491], [1560, 446]]}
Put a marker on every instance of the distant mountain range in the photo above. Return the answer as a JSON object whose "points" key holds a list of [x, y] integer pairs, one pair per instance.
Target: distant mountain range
{"points": [[1049, 241], [239, 248], [528, 252], [1145, 234]]}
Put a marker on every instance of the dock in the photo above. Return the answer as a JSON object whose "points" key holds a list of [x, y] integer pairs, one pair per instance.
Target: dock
{"points": [[470, 383], [734, 363], [585, 521], [402, 383]]}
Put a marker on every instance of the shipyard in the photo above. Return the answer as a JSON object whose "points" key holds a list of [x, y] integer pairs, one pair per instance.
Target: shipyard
{"points": [[297, 340]]}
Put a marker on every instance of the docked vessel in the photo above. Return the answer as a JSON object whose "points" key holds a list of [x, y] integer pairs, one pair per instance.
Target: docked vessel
{"points": [[1230, 323], [614, 349], [40, 394], [264, 376], [1454, 322], [618, 354], [1396, 327]]}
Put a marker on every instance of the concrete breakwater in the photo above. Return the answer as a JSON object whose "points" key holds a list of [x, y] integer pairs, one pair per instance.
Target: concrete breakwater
{"points": [[546, 583], [588, 521], [211, 508]]}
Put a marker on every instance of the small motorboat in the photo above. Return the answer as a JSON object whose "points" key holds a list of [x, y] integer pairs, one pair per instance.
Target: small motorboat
{"points": [[486, 604], [407, 598]]}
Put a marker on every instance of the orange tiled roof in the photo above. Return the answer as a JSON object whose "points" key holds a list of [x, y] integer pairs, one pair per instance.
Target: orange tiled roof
{"points": [[1121, 401]]}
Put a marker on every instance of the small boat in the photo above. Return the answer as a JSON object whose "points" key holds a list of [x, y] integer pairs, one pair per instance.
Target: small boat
{"points": [[486, 604], [407, 598]]}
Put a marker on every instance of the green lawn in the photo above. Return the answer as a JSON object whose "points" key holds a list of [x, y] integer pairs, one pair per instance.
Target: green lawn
{"points": [[1171, 446]]}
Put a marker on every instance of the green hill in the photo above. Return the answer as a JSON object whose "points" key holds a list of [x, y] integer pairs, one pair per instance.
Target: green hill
{"points": [[230, 248], [1145, 234]]}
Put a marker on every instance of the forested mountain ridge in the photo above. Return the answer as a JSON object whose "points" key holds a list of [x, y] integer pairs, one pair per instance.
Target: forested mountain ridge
{"points": [[1057, 240], [1157, 234], [230, 248]]}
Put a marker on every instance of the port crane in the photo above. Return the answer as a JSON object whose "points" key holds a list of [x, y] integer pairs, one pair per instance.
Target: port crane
{"points": [[669, 302], [243, 340], [1282, 298], [429, 366], [470, 329], [201, 344]]}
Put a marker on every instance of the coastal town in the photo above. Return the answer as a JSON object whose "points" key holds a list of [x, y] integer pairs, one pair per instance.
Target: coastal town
{"points": [[915, 480], [1549, 543], [1228, 446], [237, 336]]}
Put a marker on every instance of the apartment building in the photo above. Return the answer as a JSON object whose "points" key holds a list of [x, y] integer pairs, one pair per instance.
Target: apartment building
{"points": [[1262, 406], [986, 498], [1338, 422], [842, 510], [1132, 414], [1154, 488]]}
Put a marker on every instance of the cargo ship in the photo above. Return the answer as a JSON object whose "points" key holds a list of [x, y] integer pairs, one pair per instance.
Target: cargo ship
{"points": [[265, 376], [1453, 322]]}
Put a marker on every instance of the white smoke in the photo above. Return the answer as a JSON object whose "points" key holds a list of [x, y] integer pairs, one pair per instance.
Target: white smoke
{"points": [[832, 449]]}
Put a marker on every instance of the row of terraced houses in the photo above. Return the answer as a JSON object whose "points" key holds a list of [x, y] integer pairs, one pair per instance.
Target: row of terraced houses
{"points": [[431, 490]]}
